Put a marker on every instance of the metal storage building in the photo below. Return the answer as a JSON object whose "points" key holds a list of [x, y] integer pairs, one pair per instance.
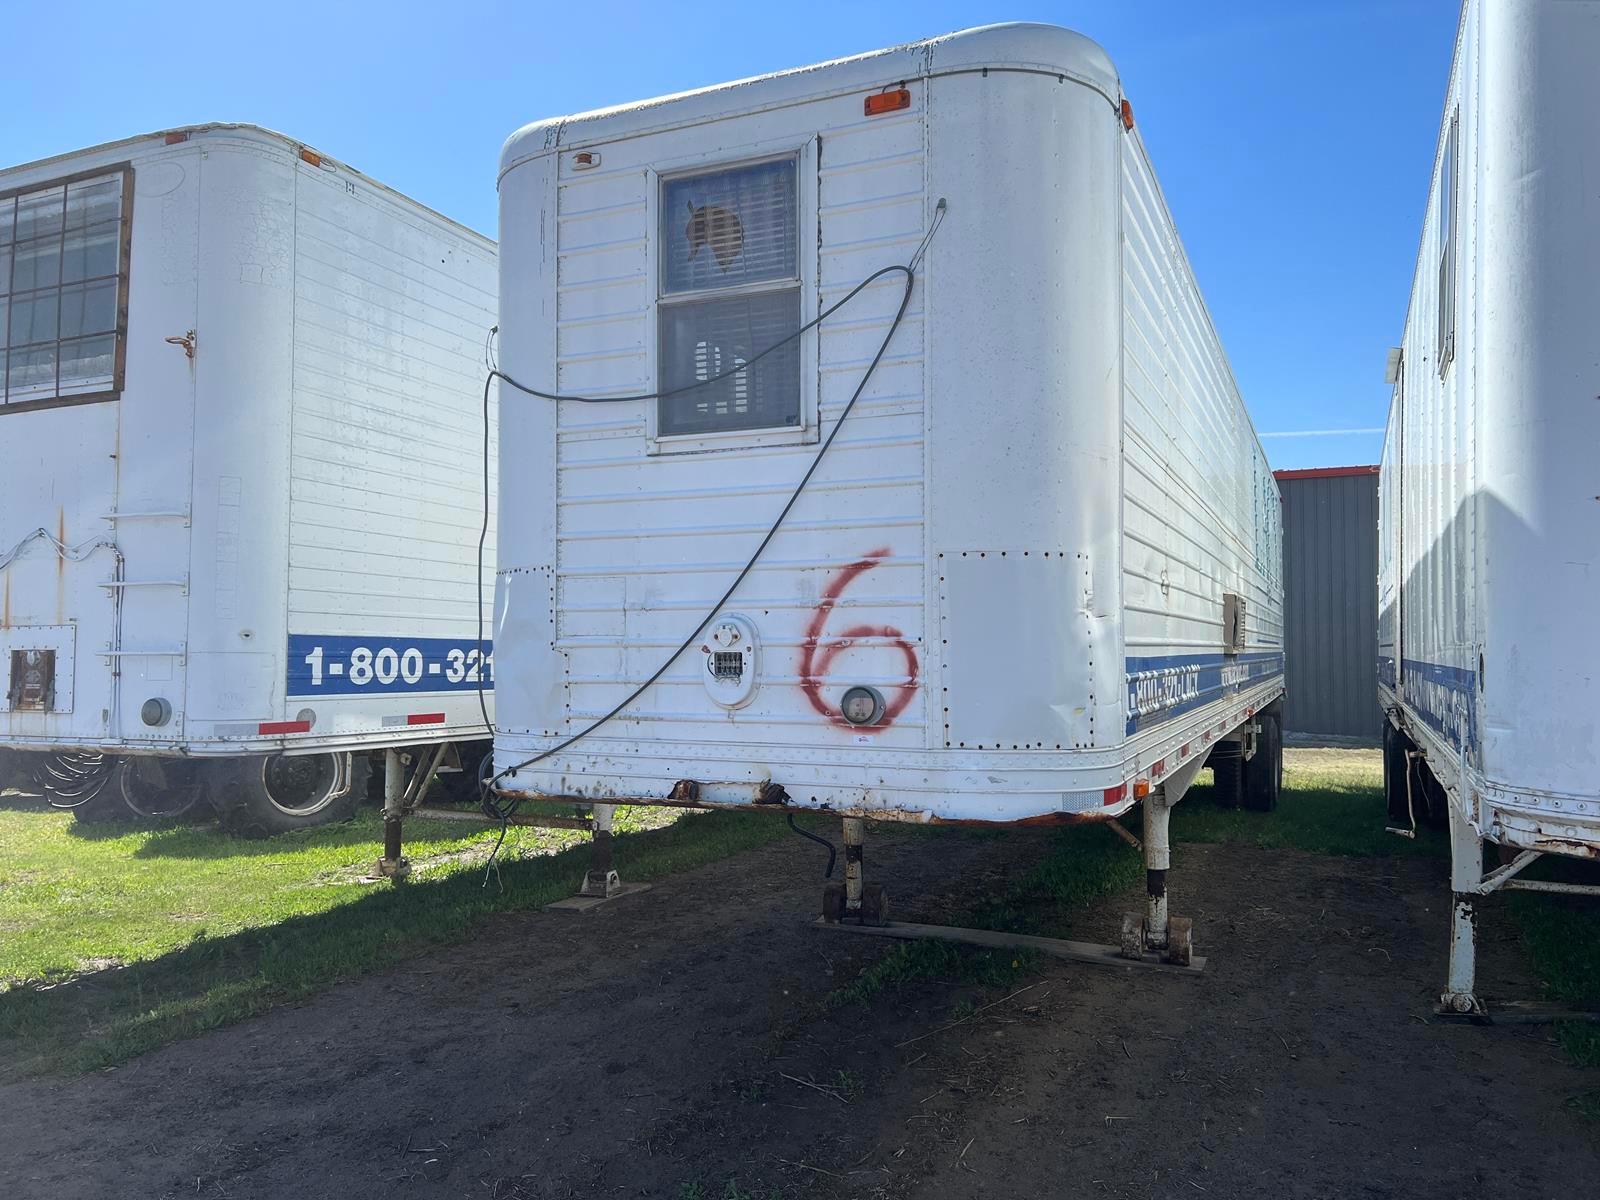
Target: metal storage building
{"points": [[1330, 560]]}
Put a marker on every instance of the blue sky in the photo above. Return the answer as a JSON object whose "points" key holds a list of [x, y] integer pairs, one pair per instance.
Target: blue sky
{"points": [[1294, 139]]}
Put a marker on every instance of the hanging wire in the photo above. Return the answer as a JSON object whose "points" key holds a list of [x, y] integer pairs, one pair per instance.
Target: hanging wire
{"points": [[504, 809]]}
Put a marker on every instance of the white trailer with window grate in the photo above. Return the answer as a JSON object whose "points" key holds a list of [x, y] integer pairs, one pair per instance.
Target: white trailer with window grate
{"points": [[240, 447], [1035, 573], [1488, 654]]}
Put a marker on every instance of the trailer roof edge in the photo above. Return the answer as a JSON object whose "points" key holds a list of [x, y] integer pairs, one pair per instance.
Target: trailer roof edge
{"points": [[1017, 46]]}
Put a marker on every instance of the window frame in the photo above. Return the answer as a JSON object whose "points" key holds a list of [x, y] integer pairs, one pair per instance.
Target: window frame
{"points": [[1449, 220], [124, 259], [729, 159]]}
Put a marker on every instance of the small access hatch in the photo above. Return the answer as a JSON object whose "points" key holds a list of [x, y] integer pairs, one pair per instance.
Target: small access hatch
{"points": [[33, 681]]}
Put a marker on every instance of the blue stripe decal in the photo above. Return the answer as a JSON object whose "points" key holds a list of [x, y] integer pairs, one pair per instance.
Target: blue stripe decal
{"points": [[1162, 687], [321, 665], [1446, 698]]}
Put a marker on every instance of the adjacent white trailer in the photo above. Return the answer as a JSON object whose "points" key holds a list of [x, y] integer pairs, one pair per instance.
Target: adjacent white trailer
{"points": [[1489, 653], [240, 472], [1035, 575]]}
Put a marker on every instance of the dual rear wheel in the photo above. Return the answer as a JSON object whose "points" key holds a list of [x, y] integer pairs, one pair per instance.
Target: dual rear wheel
{"points": [[263, 795], [255, 796], [1255, 782]]}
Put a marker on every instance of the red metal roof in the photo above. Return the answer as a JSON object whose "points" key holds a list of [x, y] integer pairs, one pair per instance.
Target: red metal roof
{"points": [[1324, 472]]}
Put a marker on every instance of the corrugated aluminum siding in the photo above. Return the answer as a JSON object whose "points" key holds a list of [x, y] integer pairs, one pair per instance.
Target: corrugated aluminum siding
{"points": [[1330, 554], [390, 315]]}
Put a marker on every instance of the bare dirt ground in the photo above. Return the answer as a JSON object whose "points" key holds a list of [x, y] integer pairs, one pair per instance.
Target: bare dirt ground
{"points": [[653, 1048]]}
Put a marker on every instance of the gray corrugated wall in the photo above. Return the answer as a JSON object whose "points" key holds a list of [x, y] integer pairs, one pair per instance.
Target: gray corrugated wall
{"points": [[1330, 565]]}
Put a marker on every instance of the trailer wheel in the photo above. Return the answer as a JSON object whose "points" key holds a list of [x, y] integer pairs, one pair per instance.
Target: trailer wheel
{"points": [[477, 764], [268, 794], [1263, 774], [154, 788], [1227, 774], [1394, 777]]}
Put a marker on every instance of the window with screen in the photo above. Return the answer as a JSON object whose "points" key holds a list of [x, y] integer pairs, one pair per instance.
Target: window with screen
{"points": [[730, 289], [1447, 249], [63, 290]]}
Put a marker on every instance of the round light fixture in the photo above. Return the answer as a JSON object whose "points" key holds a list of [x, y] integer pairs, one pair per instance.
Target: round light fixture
{"points": [[862, 706], [155, 712]]}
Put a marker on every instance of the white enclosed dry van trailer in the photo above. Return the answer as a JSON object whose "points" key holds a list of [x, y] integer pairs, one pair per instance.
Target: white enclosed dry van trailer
{"points": [[1489, 653], [1031, 571], [240, 480]]}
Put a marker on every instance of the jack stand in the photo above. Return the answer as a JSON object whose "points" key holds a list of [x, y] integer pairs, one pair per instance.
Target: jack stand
{"points": [[1460, 999], [1170, 938], [393, 864], [855, 901], [601, 883]]}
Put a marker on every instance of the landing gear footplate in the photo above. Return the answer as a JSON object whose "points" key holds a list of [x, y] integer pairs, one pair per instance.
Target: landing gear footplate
{"points": [[1089, 952]]}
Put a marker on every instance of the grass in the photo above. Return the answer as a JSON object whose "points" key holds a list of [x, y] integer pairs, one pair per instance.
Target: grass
{"points": [[113, 942], [1081, 864], [182, 930], [1332, 803]]}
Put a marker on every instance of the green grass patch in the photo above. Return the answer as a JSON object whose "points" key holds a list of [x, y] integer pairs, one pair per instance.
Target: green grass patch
{"points": [[1332, 803], [1083, 862], [183, 930], [1562, 937]]}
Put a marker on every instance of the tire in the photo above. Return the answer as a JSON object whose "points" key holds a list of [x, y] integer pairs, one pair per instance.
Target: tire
{"points": [[1394, 777], [11, 773], [1227, 775], [147, 788], [268, 794], [1263, 774], [465, 786]]}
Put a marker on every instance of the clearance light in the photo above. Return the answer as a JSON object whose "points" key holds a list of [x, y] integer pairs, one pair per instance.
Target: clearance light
{"points": [[1127, 115], [172, 139], [888, 101], [310, 156], [1141, 788]]}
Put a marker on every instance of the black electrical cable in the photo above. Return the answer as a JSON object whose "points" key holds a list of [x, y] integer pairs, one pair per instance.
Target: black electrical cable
{"points": [[833, 852], [504, 812]]}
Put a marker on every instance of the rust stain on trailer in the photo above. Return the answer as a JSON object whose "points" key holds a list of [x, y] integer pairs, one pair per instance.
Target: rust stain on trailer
{"points": [[61, 566], [816, 657], [1043, 820]]}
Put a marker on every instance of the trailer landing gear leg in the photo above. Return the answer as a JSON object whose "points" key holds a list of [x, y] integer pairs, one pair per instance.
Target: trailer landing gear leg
{"points": [[393, 864], [858, 907], [855, 901], [1155, 932], [1460, 999], [601, 882]]}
